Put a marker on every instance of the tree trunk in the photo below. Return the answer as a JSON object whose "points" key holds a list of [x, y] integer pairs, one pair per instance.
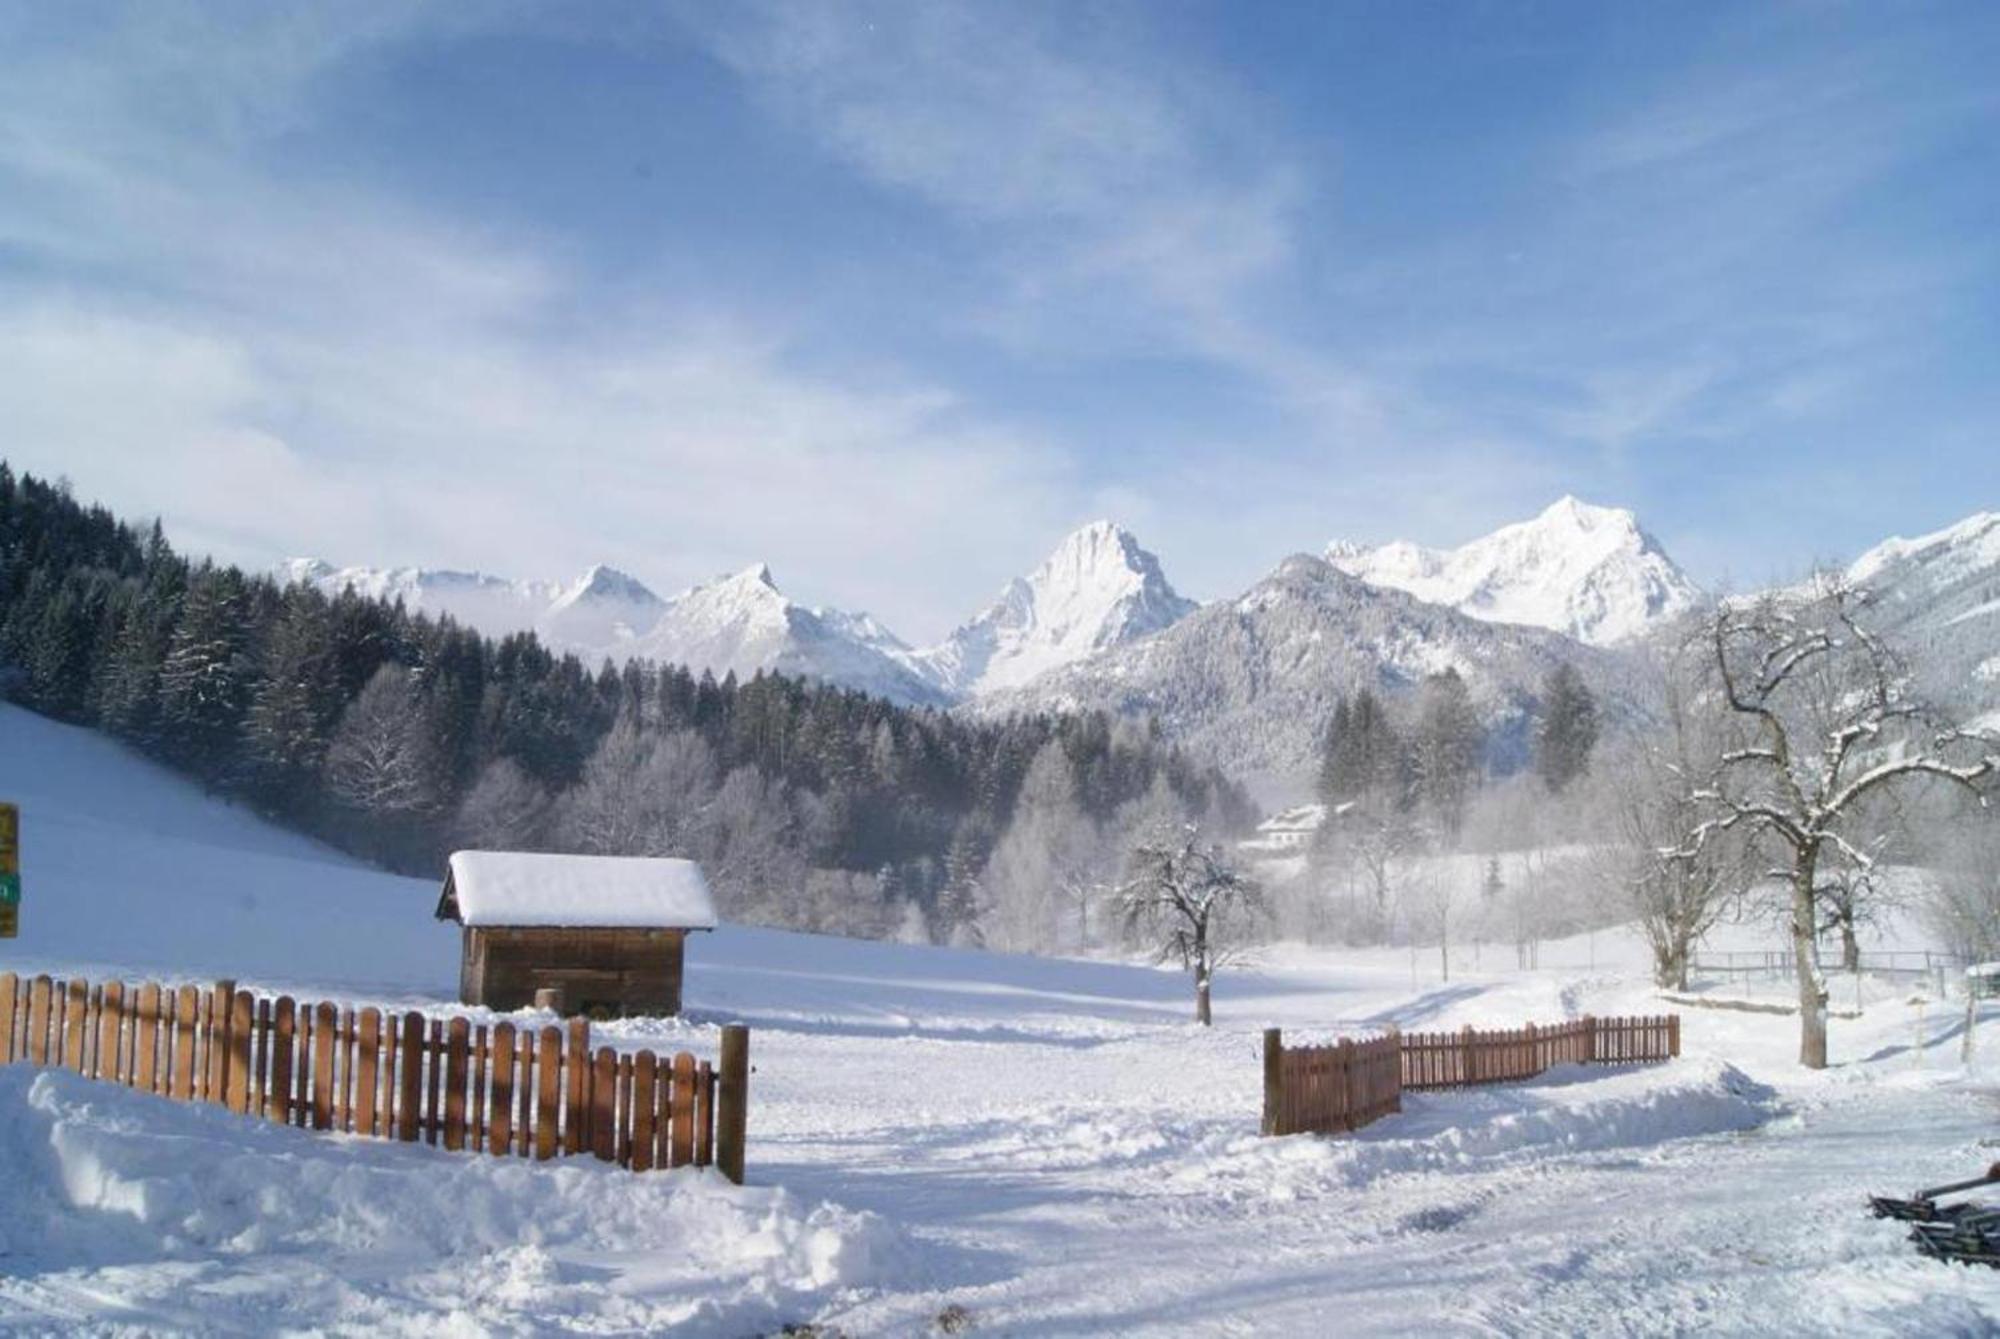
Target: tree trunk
{"points": [[1670, 964], [1805, 961], [1850, 946], [1201, 1013]]}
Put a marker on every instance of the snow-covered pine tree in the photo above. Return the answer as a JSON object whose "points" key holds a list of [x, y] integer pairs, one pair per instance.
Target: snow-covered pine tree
{"points": [[205, 677]]}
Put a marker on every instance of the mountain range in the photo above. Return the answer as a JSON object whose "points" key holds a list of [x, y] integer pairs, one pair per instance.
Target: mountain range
{"points": [[1591, 572], [1245, 682]]}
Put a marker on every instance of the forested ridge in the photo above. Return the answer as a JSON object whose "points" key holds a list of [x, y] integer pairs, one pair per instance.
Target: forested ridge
{"points": [[398, 736]]}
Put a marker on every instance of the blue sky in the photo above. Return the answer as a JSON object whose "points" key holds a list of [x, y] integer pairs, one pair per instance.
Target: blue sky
{"points": [[893, 295]]}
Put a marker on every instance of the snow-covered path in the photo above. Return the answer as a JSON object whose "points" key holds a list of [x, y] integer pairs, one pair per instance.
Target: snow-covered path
{"points": [[1657, 1201]]}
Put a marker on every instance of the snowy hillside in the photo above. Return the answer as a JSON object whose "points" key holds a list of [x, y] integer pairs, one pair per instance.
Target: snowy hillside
{"points": [[1591, 572], [1037, 1147], [1097, 591], [1250, 684], [1939, 595]]}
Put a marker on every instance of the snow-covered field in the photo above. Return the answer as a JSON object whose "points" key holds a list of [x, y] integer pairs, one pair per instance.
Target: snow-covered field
{"points": [[1046, 1146]]}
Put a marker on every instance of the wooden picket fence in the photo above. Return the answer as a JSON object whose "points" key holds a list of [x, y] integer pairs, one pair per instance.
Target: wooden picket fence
{"points": [[1341, 1087], [1471, 1056], [503, 1091], [1329, 1089]]}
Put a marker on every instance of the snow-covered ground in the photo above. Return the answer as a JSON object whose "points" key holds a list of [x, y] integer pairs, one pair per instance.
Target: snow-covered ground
{"points": [[1046, 1145]]}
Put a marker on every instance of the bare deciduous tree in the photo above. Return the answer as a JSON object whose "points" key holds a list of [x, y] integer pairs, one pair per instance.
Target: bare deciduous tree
{"points": [[1829, 722], [1186, 893], [1657, 789], [642, 793], [505, 810], [1433, 901]]}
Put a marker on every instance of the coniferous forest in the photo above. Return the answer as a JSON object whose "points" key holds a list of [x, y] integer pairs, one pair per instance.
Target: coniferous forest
{"points": [[398, 737]]}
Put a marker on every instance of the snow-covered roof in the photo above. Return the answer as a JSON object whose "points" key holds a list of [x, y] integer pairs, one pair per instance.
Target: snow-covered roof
{"points": [[534, 888], [1298, 818]]}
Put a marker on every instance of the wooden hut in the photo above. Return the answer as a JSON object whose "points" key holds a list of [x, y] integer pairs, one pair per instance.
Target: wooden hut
{"points": [[607, 932]]}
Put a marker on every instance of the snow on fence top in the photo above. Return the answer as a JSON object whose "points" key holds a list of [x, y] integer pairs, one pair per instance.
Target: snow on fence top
{"points": [[575, 891]]}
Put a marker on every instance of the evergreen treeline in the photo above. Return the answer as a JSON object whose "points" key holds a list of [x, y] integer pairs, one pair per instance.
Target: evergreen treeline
{"points": [[399, 736]]}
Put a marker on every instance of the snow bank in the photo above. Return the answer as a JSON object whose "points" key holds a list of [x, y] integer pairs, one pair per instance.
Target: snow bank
{"points": [[168, 1197], [1473, 1130]]}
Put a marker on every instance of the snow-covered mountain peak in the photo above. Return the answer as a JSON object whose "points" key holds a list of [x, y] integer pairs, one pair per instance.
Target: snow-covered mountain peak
{"points": [[1967, 546], [755, 575], [488, 604], [750, 596], [599, 610], [1099, 588], [743, 623], [607, 583], [740, 623], [1590, 571]]}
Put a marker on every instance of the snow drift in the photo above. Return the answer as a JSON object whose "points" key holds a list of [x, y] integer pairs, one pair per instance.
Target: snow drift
{"points": [[167, 1194]]}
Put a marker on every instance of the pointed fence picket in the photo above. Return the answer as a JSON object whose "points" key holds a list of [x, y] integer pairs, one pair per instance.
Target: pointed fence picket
{"points": [[502, 1091], [1344, 1086]]}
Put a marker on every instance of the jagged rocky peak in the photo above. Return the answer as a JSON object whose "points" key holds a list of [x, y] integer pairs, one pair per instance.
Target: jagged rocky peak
{"points": [[1098, 589], [608, 583], [1590, 571]]}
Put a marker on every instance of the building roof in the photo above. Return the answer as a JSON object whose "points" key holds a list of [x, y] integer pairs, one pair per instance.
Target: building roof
{"points": [[577, 891]]}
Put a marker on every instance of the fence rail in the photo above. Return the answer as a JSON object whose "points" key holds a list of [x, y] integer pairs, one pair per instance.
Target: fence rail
{"points": [[1344, 1086], [1777, 964], [502, 1091]]}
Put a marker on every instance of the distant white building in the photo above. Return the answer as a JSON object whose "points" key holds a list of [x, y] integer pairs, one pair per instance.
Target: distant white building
{"points": [[1286, 833]]}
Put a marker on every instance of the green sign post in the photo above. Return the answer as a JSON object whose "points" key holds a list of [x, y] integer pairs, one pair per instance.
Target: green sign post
{"points": [[10, 871]]}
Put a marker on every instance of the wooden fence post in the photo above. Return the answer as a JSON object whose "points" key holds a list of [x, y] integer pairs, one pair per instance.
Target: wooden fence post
{"points": [[110, 1034], [242, 1022], [458, 1038], [367, 1069], [1589, 1038], [326, 1023], [500, 1124], [732, 1102], [37, 1046], [1395, 1068], [548, 1094], [1673, 1036], [10, 986], [576, 1118], [284, 1027], [1465, 1052], [221, 1004], [76, 1024], [95, 1015], [1274, 1079], [604, 1105]]}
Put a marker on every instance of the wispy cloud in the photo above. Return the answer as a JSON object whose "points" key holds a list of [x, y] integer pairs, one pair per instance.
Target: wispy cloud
{"points": [[281, 366], [1101, 271], [1100, 169]]}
